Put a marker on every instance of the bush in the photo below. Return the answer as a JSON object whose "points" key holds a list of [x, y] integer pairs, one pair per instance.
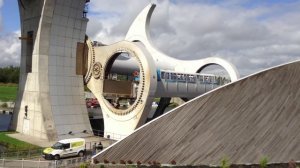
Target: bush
{"points": [[263, 162], [113, 162], [173, 162], [4, 105], [122, 162], [292, 164], [96, 161], [129, 162], [105, 161], [138, 163], [83, 165], [225, 163], [156, 163]]}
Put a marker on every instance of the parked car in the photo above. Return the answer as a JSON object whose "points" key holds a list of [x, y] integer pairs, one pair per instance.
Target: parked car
{"points": [[65, 148], [92, 103]]}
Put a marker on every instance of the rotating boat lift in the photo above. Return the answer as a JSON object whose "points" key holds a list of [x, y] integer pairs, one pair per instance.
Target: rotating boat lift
{"points": [[159, 75], [56, 58]]}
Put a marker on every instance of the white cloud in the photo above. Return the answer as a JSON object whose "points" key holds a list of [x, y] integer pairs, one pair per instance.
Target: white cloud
{"points": [[253, 38], [10, 45], [10, 48]]}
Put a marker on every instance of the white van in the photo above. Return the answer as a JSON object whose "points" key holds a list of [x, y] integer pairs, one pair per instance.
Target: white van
{"points": [[65, 148]]}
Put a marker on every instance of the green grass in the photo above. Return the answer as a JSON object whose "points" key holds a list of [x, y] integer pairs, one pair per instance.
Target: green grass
{"points": [[8, 92], [13, 144]]}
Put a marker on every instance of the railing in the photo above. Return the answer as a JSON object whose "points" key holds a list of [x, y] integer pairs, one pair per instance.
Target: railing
{"points": [[115, 136], [71, 162], [22, 154], [74, 162], [171, 76], [109, 135], [37, 153], [98, 133]]}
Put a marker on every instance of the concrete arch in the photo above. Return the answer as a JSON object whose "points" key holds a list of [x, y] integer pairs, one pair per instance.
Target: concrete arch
{"points": [[139, 31], [230, 69], [123, 121]]}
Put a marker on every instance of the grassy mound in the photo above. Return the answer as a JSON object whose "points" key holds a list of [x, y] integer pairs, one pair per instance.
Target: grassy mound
{"points": [[14, 144]]}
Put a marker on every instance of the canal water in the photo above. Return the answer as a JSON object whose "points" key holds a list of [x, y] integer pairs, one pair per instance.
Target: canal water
{"points": [[97, 123], [4, 121]]}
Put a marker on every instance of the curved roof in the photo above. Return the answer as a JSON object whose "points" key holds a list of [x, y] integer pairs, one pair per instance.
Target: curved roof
{"points": [[255, 117]]}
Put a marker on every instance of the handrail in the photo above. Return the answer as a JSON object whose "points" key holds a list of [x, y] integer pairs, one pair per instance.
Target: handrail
{"points": [[112, 135]]}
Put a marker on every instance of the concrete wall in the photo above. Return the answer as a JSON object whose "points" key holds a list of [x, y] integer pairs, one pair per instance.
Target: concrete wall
{"points": [[255, 117], [52, 91], [271, 165]]}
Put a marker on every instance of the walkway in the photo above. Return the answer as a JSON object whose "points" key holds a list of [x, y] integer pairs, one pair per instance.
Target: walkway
{"points": [[43, 143]]}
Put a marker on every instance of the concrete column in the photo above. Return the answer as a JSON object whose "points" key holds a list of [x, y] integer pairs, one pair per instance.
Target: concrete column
{"points": [[50, 102]]}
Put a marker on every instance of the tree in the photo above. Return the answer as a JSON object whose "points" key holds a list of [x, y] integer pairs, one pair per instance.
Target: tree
{"points": [[9, 74]]}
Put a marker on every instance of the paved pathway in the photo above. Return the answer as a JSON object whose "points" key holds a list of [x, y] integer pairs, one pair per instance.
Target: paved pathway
{"points": [[43, 143]]}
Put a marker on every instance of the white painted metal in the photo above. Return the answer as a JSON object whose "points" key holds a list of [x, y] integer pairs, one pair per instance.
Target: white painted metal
{"points": [[123, 122], [139, 31]]}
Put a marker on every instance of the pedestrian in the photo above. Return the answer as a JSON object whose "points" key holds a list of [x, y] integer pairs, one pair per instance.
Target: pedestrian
{"points": [[94, 149]]}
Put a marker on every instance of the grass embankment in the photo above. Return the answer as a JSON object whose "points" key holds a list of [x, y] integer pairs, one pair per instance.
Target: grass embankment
{"points": [[13, 144], [8, 92]]}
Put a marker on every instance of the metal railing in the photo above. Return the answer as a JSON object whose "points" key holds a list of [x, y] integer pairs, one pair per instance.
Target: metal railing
{"points": [[33, 157], [72, 162], [109, 135], [37, 153], [22, 154], [98, 133]]}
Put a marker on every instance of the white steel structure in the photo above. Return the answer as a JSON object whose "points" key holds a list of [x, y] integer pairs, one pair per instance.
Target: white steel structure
{"points": [[159, 76]]}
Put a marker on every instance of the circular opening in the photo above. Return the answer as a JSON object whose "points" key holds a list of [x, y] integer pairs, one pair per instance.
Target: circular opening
{"points": [[221, 75], [122, 80]]}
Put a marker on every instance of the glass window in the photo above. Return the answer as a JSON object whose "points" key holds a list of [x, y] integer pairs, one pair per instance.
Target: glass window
{"points": [[66, 146], [201, 78], [57, 145], [167, 75], [208, 79], [184, 77], [178, 76], [173, 76], [162, 75], [191, 78]]}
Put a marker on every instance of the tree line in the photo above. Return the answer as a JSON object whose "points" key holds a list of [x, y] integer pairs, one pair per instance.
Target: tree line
{"points": [[9, 74]]}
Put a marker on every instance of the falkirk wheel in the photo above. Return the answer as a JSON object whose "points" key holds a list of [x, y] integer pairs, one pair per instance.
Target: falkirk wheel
{"points": [[126, 103], [57, 59]]}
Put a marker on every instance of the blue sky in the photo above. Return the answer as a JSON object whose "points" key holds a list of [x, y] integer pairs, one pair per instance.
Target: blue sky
{"points": [[252, 34], [10, 16], [10, 12]]}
